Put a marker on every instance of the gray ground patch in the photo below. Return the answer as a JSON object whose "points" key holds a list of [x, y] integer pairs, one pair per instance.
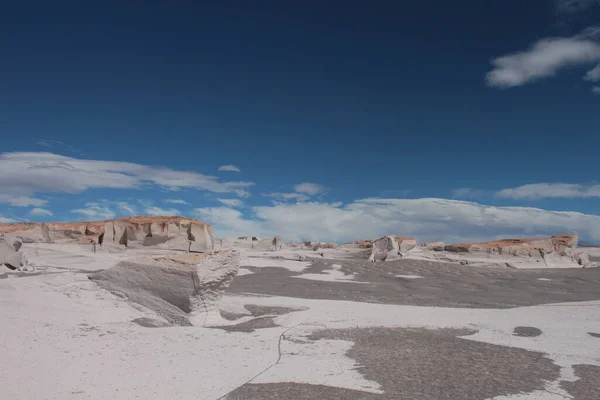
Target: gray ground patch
{"points": [[423, 364], [527, 331], [259, 311], [150, 323], [230, 316], [443, 284], [250, 326], [592, 334], [588, 386]]}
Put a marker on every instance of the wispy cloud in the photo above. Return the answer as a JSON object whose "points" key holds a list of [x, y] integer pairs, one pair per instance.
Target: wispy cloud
{"points": [[287, 196], [230, 168], [232, 202], [452, 221], [21, 201], [311, 189], [95, 211], [596, 89], [593, 75], [40, 212], [126, 208], [153, 210], [538, 191], [574, 6], [544, 59], [467, 193], [5, 220], [27, 173], [175, 201]]}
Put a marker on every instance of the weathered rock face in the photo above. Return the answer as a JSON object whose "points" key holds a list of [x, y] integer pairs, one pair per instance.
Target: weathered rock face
{"points": [[405, 243], [556, 251], [385, 249], [9, 253], [175, 233], [176, 287], [278, 242], [434, 246]]}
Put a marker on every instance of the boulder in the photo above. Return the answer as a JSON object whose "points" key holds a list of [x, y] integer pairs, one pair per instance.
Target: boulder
{"points": [[277, 243], [10, 255], [405, 243], [434, 246], [177, 287], [385, 249]]}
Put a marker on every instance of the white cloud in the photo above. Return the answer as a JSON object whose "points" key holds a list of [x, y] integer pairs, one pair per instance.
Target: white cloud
{"points": [[153, 210], [596, 89], [426, 219], [126, 208], [574, 6], [311, 189], [550, 190], [467, 193], [593, 75], [175, 201], [40, 211], [95, 211], [232, 202], [21, 201], [544, 59], [230, 168], [287, 196], [4, 220], [27, 173]]}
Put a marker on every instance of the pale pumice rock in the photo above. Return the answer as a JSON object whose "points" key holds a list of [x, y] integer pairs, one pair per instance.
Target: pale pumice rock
{"points": [[181, 288], [385, 249], [10, 255]]}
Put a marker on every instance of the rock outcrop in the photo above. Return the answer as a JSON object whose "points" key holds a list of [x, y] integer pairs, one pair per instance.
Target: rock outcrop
{"points": [[174, 233], [434, 246], [553, 252], [10, 255], [385, 249], [405, 243], [277, 243], [180, 288]]}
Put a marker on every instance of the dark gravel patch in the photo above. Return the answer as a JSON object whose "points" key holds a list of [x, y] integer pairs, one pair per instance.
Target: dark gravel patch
{"points": [[527, 331], [443, 284], [150, 323], [592, 334], [588, 386], [422, 364], [250, 326], [259, 311]]}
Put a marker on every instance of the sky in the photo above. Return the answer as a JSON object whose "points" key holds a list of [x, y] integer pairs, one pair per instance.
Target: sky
{"points": [[332, 121]]}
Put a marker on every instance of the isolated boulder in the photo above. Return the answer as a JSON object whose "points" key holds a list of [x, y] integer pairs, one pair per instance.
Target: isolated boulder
{"points": [[385, 249], [434, 246], [10, 255], [176, 287], [405, 243], [277, 242]]}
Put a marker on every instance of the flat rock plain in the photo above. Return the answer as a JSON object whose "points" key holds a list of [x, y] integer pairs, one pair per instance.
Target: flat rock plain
{"points": [[325, 328]]}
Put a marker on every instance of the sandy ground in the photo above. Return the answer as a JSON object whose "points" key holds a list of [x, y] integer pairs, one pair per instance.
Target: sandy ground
{"points": [[324, 328]]}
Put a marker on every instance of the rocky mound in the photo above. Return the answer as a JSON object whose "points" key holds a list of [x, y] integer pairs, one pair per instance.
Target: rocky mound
{"points": [[178, 287], [175, 233], [9, 253]]}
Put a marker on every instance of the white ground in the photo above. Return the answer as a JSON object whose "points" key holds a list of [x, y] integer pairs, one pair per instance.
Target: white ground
{"points": [[63, 337]]}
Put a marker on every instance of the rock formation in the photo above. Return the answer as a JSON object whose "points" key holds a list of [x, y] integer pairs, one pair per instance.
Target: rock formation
{"points": [[176, 287], [385, 249], [553, 252], [277, 242], [405, 243], [434, 246], [175, 233], [9, 253]]}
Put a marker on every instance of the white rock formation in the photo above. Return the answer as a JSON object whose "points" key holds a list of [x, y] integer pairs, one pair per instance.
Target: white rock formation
{"points": [[178, 288], [385, 249], [10, 255]]}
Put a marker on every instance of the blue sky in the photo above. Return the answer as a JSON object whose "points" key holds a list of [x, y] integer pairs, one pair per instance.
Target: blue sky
{"points": [[459, 120]]}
